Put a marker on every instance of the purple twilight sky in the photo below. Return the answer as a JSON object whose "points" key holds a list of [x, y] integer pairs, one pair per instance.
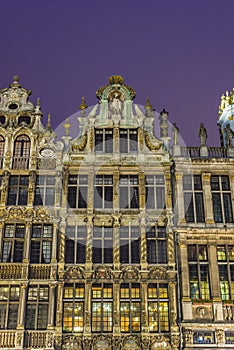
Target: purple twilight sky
{"points": [[180, 53]]}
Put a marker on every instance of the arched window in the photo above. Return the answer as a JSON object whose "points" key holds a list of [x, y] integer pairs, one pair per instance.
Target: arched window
{"points": [[21, 152], [2, 145]]}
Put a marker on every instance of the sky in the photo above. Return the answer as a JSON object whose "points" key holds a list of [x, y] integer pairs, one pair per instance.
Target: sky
{"points": [[180, 53]]}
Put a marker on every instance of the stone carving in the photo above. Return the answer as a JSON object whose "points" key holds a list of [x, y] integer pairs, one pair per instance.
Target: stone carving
{"points": [[102, 272], [157, 272], [42, 215], [103, 220], [50, 340], [145, 343], [80, 144], [131, 343], [86, 343], [176, 132], [229, 135], [129, 272], [160, 342], [202, 134], [188, 336], [116, 105], [19, 339], [175, 341], [101, 342], [117, 343], [201, 312], [150, 144], [74, 272], [220, 336]]}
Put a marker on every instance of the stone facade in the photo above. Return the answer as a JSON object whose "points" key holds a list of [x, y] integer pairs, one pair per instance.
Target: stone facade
{"points": [[116, 238]]}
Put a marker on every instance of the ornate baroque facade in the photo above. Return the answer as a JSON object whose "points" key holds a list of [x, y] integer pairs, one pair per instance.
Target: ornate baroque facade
{"points": [[116, 238]]}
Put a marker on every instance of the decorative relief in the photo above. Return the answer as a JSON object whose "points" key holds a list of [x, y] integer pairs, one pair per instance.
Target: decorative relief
{"points": [[42, 215], [102, 272], [157, 272], [101, 342], [131, 343], [175, 341], [50, 340], [150, 144], [103, 220], [129, 272], [81, 144], [219, 333], [160, 342], [202, 312], [19, 339], [46, 163], [188, 336], [74, 272]]}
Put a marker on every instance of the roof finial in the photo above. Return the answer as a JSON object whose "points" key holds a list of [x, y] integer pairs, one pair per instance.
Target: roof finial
{"points": [[48, 125], [148, 104], [16, 79], [83, 105], [67, 126]]}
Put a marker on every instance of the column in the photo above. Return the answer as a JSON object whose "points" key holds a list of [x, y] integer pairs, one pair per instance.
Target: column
{"points": [[116, 328], [116, 245], [62, 230], [232, 188], [59, 308], [173, 306], [185, 287], [116, 189], [27, 242], [55, 241], [22, 307], [208, 206], [31, 187], [141, 190], [180, 198], [214, 283], [87, 318], [89, 245], [168, 190], [143, 257], [1, 236], [51, 312], [90, 199], [144, 313]]}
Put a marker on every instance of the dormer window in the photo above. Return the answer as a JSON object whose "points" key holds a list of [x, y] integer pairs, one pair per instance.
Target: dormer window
{"points": [[128, 140], [13, 106], [24, 120], [2, 119], [21, 152]]}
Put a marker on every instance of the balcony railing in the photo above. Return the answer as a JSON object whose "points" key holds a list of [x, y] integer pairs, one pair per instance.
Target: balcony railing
{"points": [[35, 339], [213, 152], [20, 162], [217, 152], [228, 312], [10, 271], [7, 339], [41, 272]]}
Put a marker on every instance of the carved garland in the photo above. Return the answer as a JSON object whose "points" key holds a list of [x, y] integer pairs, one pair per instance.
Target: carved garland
{"points": [[149, 144], [81, 145]]}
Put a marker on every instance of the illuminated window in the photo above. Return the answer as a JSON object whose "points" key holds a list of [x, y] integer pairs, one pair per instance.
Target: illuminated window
{"points": [[229, 337], [129, 245], [37, 307], [221, 198], [130, 308], [225, 257], [203, 337], [102, 308], [73, 307], [41, 244], [193, 198], [104, 140], [18, 190], [45, 190], [75, 251], [77, 191], [158, 307], [156, 245], [13, 243], [128, 192], [103, 192], [128, 140], [198, 272], [9, 306], [21, 152], [155, 192], [102, 244]]}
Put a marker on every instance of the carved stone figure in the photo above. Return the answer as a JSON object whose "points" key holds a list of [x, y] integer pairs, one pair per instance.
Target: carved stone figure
{"points": [[116, 105], [229, 135], [176, 132], [202, 134]]}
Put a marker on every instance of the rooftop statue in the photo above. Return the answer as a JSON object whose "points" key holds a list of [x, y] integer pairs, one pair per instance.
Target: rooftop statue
{"points": [[202, 134]]}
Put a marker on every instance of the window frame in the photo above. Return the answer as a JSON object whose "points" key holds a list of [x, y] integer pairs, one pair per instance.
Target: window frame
{"points": [[104, 140], [222, 208], [36, 303], [156, 244], [103, 192], [37, 255], [102, 299], [18, 191], [74, 300], [130, 244], [42, 197], [226, 262], [155, 192], [158, 299], [129, 188], [130, 301], [102, 245], [8, 319], [193, 198], [76, 241], [77, 193], [17, 243], [128, 140]]}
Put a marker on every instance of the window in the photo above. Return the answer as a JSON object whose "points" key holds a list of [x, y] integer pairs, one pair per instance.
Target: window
{"points": [[2, 146], [158, 307], [193, 198], [75, 251], [130, 308], [73, 307], [45, 190], [155, 192], [102, 244], [41, 244], [156, 245], [9, 305], [198, 272], [21, 152], [203, 337], [128, 192], [225, 257], [37, 307], [18, 190], [129, 245], [221, 198], [13, 243], [128, 140], [77, 191], [229, 337], [103, 192], [24, 120], [104, 140], [102, 308]]}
